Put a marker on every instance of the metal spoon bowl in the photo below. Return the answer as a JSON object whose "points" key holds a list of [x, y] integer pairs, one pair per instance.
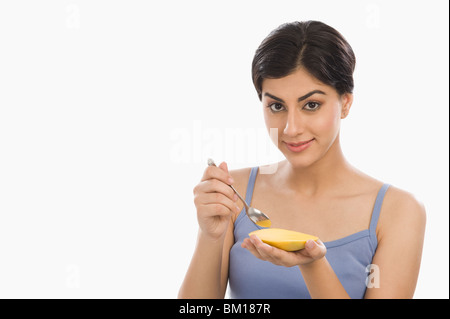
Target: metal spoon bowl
{"points": [[255, 215]]}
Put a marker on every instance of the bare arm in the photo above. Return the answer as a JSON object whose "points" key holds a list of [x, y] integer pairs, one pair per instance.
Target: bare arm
{"points": [[400, 241], [204, 278], [207, 275], [322, 281]]}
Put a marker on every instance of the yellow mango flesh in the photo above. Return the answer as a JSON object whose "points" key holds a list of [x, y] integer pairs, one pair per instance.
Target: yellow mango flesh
{"points": [[264, 223], [282, 238]]}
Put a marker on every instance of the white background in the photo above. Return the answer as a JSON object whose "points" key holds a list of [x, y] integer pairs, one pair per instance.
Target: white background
{"points": [[109, 110]]}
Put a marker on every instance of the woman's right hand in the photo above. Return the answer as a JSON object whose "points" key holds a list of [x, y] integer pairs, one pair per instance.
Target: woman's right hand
{"points": [[215, 201]]}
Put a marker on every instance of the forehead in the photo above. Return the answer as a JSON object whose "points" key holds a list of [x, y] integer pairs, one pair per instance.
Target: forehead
{"points": [[294, 85]]}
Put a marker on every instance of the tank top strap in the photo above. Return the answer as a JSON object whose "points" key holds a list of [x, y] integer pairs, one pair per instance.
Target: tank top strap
{"points": [[376, 212], [248, 194], [251, 185]]}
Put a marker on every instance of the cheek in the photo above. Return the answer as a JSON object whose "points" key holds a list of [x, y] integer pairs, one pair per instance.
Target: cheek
{"points": [[327, 124]]}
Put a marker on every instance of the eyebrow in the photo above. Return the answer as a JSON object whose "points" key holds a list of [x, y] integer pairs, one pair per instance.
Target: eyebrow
{"points": [[307, 95]]}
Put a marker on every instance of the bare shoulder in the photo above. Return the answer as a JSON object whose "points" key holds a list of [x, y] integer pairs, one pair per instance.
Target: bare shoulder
{"points": [[403, 204], [401, 212]]}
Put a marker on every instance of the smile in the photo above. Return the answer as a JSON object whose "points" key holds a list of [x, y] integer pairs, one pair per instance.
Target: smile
{"points": [[300, 146]]}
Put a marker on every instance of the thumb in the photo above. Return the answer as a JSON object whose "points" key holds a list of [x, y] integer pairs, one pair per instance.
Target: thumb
{"points": [[316, 249], [224, 166]]}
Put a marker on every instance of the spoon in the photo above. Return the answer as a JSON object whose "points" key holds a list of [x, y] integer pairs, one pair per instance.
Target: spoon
{"points": [[256, 216]]}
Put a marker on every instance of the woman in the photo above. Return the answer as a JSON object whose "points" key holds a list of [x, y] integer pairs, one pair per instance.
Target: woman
{"points": [[371, 234]]}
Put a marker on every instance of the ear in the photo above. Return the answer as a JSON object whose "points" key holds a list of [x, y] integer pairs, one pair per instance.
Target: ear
{"points": [[346, 101]]}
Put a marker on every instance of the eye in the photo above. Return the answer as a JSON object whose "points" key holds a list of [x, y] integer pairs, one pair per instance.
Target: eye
{"points": [[312, 106], [276, 107]]}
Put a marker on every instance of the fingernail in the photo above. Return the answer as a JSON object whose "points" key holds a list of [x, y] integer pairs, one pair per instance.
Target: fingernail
{"points": [[235, 197], [230, 180], [310, 244]]}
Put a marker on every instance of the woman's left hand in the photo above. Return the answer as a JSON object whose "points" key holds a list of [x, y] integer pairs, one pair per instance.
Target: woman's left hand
{"points": [[313, 250]]}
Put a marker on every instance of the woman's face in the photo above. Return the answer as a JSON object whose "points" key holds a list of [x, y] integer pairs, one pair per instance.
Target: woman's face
{"points": [[307, 114]]}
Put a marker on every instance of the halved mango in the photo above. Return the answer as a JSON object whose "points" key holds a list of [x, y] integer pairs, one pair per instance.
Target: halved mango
{"points": [[288, 240]]}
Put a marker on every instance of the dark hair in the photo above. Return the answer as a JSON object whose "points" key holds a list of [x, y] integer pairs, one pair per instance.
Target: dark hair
{"points": [[313, 45]]}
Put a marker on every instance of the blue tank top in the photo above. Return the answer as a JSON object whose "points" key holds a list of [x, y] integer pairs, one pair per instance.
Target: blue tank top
{"points": [[252, 278]]}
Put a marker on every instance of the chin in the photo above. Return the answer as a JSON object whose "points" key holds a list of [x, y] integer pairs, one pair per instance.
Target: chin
{"points": [[300, 163], [300, 160], [308, 157], [304, 160]]}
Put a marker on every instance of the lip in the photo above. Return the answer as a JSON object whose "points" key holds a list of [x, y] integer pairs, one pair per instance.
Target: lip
{"points": [[299, 146]]}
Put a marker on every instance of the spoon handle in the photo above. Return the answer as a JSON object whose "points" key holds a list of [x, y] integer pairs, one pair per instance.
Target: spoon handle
{"points": [[211, 163], [245, 204]]}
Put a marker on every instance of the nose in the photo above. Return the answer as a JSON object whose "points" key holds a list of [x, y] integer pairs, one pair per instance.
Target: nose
{"points": [[294, 124]]}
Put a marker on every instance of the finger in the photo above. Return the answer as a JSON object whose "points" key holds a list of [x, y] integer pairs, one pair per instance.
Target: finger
{"points": [[218, 173], [275, 255], [214, 210], [266, 251], [218, 198], [224, 166], [315, 249], [215, 185], [251, 247]]}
